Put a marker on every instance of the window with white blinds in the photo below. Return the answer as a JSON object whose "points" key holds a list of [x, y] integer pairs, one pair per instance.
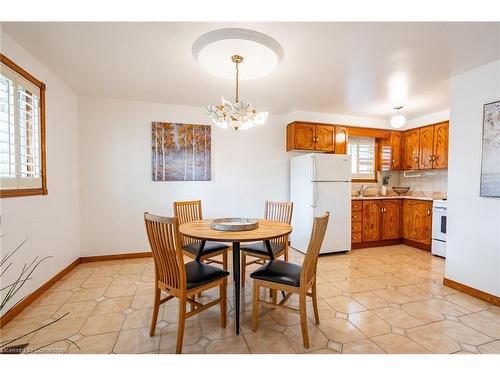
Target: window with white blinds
{"points": [[20, 132], [362, 151]]}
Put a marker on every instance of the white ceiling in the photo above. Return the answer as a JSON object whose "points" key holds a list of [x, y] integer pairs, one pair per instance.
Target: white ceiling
{"points": [[344, 68]]}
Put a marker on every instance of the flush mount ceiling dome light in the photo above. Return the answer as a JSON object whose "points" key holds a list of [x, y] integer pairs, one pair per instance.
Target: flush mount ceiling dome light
{"points": [[214, 49], [398, 120]]}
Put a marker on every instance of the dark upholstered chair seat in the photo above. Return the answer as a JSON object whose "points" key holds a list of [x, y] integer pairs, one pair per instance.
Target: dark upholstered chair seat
{"points": [[210, 247], [260, 248], [280, 272], [198, 274]]}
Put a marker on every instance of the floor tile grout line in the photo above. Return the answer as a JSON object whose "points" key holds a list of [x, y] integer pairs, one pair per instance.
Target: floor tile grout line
{"points": [[420, 285]]}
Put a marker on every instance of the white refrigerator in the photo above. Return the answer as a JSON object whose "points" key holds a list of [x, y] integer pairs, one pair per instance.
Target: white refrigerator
{"points": [[319, 183]]}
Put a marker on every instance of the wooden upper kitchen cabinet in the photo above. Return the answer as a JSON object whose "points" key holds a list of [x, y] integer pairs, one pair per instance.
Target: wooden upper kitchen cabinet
{"points": [[300, 136], [391, 219], [421, 148], [411, 149], [306, 136], [440, 147], [325, 138], [341, 134], [417, 220], [390, 152], [396, 150], [426, 147], [372, 220]]}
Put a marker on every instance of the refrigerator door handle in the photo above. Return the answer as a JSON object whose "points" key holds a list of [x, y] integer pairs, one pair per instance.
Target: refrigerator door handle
{"points": [[314, 195], [313, 168]]}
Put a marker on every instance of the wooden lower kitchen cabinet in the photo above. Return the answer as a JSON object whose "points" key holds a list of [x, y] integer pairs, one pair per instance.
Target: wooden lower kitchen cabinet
{"points": [[381, 219], [380, 222], [356, 220], [417, 221], [391, 219], [372, 220]]}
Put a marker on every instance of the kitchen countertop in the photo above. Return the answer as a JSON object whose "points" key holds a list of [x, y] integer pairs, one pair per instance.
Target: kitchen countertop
{"points": [[421, 198]]}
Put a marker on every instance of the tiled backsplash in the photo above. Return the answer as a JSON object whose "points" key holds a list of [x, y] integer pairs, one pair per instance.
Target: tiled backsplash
{"points": [[431, 181], [435, 180]]}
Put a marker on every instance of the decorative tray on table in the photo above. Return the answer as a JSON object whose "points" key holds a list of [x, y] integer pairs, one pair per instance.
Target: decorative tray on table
{"points": [[234, 224]]}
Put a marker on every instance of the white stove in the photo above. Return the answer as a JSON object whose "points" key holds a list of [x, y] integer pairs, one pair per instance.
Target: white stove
{"points": [[439, 207]]}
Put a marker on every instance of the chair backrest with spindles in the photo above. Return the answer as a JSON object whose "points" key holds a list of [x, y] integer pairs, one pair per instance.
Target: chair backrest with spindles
{"points": [[311, 259], [165, 245], [282, 212], [186, 212]]}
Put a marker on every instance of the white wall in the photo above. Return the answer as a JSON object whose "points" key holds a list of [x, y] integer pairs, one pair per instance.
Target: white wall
{"points": [[333, 118], [473, 253], [51, 222], [431, 118], [248, 167]]}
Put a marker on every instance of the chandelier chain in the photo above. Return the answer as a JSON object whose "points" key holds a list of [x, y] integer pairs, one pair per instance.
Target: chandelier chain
{"points": [[237, 82]]}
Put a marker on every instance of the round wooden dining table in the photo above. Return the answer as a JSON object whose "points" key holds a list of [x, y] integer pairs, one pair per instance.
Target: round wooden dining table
{"points": [[266, 231]]}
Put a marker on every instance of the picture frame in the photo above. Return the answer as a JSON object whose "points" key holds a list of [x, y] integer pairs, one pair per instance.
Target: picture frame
{"points": [[490, 151], [180, 152]]}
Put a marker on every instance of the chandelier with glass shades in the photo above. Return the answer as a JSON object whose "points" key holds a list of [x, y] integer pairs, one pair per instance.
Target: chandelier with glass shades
{"points": [[238, 114]]}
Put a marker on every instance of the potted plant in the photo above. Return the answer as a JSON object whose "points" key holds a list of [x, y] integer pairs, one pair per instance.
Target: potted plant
{"points": [[385, 183]]}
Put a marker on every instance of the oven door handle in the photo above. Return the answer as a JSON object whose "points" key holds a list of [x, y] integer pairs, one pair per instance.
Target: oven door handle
{"points": [[438, 209]]}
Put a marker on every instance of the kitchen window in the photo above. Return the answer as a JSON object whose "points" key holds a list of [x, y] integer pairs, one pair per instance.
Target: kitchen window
{"points": [[362, 151], [22, 132]]}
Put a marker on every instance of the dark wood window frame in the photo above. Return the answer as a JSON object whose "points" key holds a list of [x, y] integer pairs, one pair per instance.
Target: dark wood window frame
{"points": [[10, 193]]}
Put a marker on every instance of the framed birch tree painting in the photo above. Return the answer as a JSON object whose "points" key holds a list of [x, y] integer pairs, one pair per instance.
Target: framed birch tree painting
{"points": [[490, 163], [181, 152]]}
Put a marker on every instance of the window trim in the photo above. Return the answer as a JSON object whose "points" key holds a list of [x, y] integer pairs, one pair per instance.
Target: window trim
{"points": [[377, 165], [10, 193], [376, 161]]}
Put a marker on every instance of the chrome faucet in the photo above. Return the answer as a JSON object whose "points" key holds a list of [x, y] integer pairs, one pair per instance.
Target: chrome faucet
{"points": [[363, 189]]}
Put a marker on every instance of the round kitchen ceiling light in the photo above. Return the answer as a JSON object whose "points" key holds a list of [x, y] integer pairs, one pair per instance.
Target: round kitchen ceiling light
{"points": [[398, 120], [262, 53]]}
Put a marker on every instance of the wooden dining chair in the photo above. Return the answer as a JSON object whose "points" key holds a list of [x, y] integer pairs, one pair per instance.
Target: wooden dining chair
{"points": [[180, 280], [293, 279], [186, 212], [276, 211]]}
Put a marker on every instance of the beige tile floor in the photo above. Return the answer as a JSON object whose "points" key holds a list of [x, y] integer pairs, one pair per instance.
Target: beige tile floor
{"points": [[378, 300]]}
